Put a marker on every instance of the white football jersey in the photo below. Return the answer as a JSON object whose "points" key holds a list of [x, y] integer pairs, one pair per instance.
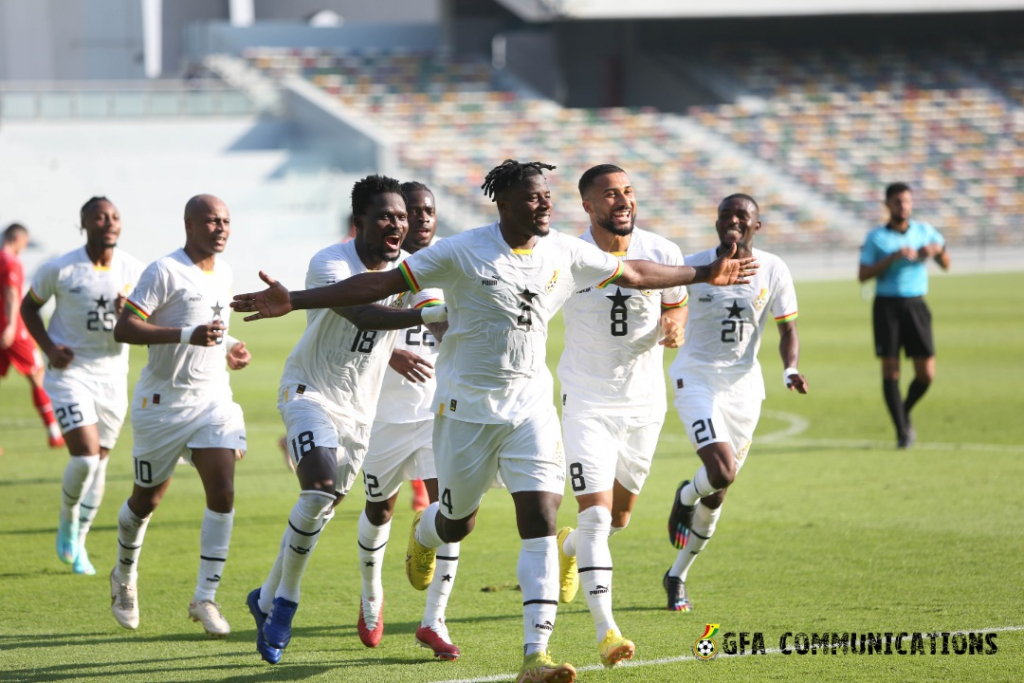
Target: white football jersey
{"points": [[402, 401], [84, 317], [491, 368], [335, 362], [174, 292], [612, 363], [726, 324]]}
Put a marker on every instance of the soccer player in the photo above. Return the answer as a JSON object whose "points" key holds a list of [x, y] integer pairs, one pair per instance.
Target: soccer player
{"points": [[612, 410], [16, 347], [502, 284], [182, 405], [87, 376], [328, 396], [401, 446], [895, 254], [718, 384]]}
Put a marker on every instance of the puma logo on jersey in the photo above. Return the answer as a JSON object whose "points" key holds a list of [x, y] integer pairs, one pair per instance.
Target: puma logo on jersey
{"points": [[584, 291], [487, 282], [193, 299], [75, 290], [705, 299]]}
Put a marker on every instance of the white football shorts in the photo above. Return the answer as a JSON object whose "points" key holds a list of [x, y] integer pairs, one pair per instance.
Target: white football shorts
{"points": [[81, 399], [311, 424], [718, 417], [163, 433], [397, 453], [527, 455], [603, 449]]}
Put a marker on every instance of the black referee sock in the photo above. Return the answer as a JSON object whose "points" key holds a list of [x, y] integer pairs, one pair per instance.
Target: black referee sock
{"points": [[914, 394], [891, 390]]}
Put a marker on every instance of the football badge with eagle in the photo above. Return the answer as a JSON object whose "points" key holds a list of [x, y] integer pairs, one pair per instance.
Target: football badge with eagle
{"points": [[705, 647]]}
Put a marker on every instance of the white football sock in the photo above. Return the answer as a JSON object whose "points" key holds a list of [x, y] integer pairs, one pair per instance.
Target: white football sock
{"points": [[305, 523], [269, 587], [426, 530], [704, 521], [89, 505], [698, 488], [594, 560], [441, 587], [373, 541], [537, 572], [214, 540], [131, 530], [78, 476]]}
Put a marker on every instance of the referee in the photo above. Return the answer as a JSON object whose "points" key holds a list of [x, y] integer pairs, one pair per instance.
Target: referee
{"points": [[895, 254]]}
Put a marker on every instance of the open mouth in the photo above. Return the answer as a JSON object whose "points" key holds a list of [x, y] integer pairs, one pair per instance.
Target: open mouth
{"points": [[393, 241]]}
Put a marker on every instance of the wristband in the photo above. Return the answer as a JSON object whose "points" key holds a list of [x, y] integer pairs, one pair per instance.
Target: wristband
{"points": [[186, 334], [434, 314], [787, 373]]}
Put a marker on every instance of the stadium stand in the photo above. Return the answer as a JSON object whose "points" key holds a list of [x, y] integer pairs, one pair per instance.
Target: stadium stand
{"points": [[452, 123]]}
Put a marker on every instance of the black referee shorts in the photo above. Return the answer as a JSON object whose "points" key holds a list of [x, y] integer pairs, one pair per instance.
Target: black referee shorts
{"points": [[903, 322]]}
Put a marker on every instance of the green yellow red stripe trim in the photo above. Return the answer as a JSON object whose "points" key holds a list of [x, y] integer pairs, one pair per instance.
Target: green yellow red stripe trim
{"points": [[429, 302], [410, 279], [35, 297], [677, 305], [134, 308], [786, 318], [619, 270]]}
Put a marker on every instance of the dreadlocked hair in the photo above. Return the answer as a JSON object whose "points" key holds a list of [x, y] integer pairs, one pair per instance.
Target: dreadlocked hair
{"points": [[510, 173], [93, 201], [369, 187]]}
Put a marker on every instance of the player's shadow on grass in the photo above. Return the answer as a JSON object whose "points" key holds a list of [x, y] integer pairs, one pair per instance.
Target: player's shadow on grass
{"points": [[162, 667]]}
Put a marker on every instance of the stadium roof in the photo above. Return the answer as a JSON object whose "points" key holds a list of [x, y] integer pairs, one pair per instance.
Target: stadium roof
{"points": [[560, 10]]}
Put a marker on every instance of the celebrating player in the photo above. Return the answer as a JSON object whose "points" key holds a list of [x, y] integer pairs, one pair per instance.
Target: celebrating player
{"points": [[328, 397], [182, 406], [718, 384], [87, 376], [16, 347], [503, 282], [612, 411], [401, 446]]}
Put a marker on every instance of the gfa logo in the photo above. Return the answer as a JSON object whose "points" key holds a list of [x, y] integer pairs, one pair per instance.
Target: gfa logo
{"points": [[705, 647]]}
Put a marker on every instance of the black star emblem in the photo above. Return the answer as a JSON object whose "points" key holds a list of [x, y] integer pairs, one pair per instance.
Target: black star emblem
{"points": [[527, 296], [734, 310], [101, 302], [217, 308], [446, 577], [619, 299], [370, 563]]}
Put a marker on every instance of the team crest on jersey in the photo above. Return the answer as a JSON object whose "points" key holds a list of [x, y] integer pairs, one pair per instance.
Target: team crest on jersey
{"points": [[399, 300], [551, 283], [761, 300]]}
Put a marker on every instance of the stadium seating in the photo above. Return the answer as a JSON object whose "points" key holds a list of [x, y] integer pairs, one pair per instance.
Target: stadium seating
{"points": [[454, 126], [847, 122], [842, 123]]}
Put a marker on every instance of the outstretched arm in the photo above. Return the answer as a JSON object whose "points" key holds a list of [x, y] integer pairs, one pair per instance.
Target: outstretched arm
{"points": [[723, 271], [276, 300], [377, 317], [789, 349]]}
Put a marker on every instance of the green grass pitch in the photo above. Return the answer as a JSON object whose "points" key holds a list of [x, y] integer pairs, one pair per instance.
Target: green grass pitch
{"points": [[828, 529]]}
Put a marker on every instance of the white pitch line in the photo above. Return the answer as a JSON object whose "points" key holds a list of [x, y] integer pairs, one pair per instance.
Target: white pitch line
{"points": [[687, 658]]}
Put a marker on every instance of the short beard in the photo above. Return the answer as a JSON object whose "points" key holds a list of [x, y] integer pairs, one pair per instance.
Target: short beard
{"points": [[609, 225]]}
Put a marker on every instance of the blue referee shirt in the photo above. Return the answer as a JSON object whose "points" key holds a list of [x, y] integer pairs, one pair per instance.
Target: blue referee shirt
{"points": [[903, 278]]}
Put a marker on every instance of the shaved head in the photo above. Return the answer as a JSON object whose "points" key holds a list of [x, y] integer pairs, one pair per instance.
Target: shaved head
{"points": [[201, 204]]}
